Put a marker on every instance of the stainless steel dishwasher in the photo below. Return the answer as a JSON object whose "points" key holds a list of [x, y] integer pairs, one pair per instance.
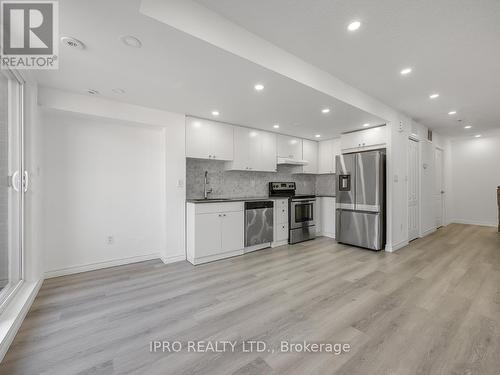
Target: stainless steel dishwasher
{"points": [[258, 222]]}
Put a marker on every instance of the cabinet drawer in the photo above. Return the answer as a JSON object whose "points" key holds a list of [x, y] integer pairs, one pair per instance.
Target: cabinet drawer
{"points": [[281, 207], [210, 208], [281, 232]]}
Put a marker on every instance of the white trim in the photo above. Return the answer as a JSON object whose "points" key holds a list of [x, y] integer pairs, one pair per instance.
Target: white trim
{"points": [[279, 243], [173, 258], [427, 232], [100, 265], [13, 316], [472, 222], [392, 248], [327, 234], [211, 258]]}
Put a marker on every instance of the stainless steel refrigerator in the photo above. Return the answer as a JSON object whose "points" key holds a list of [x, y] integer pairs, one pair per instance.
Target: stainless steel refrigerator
{"points": [[360, 210]]}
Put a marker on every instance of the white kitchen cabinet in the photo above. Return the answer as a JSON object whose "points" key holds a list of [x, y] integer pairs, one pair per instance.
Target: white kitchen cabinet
{"points": [[289, 147], [214, 231], [327, 216], [327, 151], [310, 154], [368, 139], [208, 235], [207, 139], [254, 150], [280, 235], [266, 161], [232, 231]]}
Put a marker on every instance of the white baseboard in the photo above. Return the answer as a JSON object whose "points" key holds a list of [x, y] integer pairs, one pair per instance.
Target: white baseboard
{"points": [[327, 234], [13, 316], [173, 258], [472, 222], [427, 232], [279, 243], [392, 248], [211, 258], [99, 265]]}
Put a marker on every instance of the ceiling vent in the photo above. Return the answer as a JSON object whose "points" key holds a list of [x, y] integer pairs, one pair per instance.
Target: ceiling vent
{"points": [[72, 42]]}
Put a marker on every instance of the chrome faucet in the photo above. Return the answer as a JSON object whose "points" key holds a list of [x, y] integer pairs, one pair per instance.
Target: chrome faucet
{"points": [[205, 190]]}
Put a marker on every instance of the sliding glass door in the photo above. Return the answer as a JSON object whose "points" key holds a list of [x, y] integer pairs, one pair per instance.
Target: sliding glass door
{"points": [[13, 182]]}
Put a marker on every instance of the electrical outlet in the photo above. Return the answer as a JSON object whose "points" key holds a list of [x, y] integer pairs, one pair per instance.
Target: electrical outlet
{"points": [[110, 240]]}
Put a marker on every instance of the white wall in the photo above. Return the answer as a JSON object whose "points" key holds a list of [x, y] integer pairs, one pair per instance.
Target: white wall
{"points": [[89, 140], [102, 178], [475, 176]]}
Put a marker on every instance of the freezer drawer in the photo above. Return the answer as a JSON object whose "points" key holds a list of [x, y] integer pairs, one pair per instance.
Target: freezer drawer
{"points": [[363, 229]]}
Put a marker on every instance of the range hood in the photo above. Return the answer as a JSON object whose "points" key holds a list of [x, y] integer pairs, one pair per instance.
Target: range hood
{"points": [[288, 161]]}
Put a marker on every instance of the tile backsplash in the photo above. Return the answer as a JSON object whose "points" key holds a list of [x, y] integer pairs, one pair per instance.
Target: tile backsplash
{"points": [[238, 184]]}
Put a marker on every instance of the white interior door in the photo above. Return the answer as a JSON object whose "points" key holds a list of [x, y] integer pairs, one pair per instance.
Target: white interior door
{"points": [[413, 193], [439, 188]]}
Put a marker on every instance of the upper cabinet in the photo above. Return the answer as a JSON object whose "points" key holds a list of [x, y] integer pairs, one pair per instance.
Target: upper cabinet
{"points": [[289, 147], [364, 139], [310, 154], [207, 139], [254, 150], [326, 155]]}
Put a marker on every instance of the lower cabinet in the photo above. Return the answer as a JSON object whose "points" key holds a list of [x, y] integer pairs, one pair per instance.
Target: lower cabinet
{"points": [[214, 231], [280, 222]]}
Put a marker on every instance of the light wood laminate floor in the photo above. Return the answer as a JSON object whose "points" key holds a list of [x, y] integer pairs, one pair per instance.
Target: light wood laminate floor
{"points": [[431, 308]]}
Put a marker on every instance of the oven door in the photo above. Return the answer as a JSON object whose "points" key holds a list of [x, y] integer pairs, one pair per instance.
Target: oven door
{"points": [[302, 212]]}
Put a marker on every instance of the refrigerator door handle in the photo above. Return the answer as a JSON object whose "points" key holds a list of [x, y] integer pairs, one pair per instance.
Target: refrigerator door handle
{"points": [[368, 207]]}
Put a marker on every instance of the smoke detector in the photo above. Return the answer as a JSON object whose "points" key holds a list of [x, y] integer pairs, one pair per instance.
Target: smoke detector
{"points": [[72, 42]]}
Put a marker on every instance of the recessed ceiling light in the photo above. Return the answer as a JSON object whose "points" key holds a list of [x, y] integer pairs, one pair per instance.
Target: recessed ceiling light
{"points": [[366, 125], [451, 113], [318, 135], [405, 71], [92, 91], [467, 127], [259, 87], [477, 136], [325, 110], [215, 113], [434, 96], [118, 91], [354, 25], [72, 42], [131, 41], [276, 126]]}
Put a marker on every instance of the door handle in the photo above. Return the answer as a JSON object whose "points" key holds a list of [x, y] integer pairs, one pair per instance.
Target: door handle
{"points": [[14, 181], [26, 181]]}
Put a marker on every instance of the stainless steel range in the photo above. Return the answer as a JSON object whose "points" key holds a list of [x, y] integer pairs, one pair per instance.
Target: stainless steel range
{"points": [[301, 211]]}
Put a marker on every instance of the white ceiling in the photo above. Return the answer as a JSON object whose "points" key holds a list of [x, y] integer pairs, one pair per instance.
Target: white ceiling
{"points": [[176, 72], [452, 46]]}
